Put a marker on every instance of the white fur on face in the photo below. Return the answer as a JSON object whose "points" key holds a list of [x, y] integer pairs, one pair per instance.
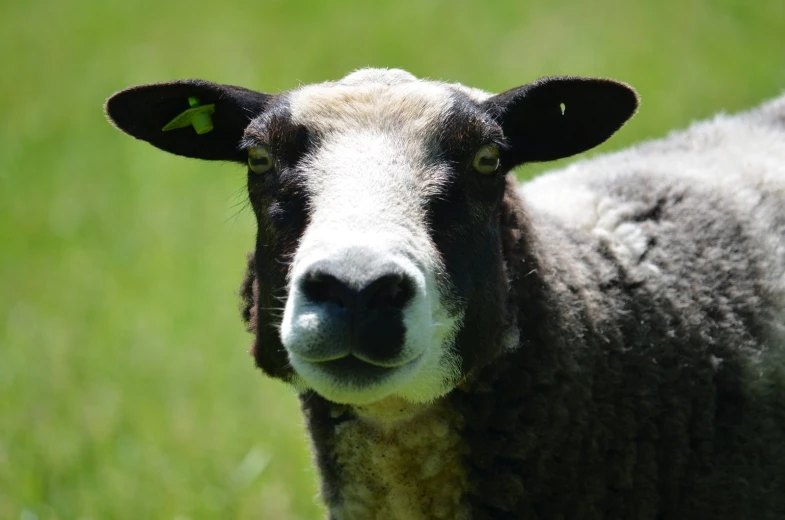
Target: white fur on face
{"points": [[368, 182]]}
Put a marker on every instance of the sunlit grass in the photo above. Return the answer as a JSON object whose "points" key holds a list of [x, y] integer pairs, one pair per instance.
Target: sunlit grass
{"points": [[126, 390]]}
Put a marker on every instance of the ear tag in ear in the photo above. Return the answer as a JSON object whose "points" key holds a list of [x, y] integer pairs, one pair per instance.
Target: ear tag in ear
{"points": [[197, 116]]}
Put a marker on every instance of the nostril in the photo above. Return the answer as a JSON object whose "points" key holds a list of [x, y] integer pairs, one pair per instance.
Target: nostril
{"points": [[325, 288], [391, 291]]}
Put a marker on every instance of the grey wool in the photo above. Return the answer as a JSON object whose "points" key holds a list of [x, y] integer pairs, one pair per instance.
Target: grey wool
{"points": [[606, 341], [650, 379]]}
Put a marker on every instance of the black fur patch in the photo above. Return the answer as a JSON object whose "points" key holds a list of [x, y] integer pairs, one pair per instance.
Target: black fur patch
{"points": [[287, 141], [279, 200], [463, 223]]}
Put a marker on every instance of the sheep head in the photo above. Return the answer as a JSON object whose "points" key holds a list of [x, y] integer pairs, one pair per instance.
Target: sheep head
{"points": [[378, 200]]}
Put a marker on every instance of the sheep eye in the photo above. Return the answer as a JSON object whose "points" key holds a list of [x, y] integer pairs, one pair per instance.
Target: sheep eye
{"points": [[259, 159], [486, 160]]}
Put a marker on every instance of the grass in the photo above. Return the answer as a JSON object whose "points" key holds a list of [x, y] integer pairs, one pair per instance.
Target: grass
{"points": [[126, 390]]}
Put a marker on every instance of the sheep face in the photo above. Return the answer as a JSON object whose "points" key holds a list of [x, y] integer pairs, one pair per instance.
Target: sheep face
{"points": [[378, 200], [389, 232]]}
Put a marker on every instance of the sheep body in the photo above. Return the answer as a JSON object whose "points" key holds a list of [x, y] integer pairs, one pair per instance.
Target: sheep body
{"points": [[604, 342]]}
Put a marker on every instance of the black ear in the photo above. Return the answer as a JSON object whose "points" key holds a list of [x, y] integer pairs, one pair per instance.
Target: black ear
{"points": [[144, 110], [557, 117]]}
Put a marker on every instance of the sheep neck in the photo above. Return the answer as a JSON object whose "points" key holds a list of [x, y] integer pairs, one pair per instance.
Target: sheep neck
{"points": [[395, 460]]}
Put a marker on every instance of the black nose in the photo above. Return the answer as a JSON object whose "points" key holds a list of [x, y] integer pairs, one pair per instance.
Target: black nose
{"points": [[370, 310]]}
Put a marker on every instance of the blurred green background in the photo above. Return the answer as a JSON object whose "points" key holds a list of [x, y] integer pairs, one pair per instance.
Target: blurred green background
{"points": [[126, 390]]}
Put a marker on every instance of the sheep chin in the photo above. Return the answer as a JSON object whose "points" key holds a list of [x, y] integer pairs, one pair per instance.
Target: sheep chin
{"points": [[422, 380]]}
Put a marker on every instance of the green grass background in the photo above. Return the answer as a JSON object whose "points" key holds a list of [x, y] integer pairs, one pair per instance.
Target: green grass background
{"points": [[126, 390]]}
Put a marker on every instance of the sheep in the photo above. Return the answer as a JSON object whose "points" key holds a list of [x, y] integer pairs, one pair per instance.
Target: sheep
{"points": [[606, 341]]}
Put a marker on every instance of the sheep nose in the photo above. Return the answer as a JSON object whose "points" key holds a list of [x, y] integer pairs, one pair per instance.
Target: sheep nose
{"points": [[389, 291], [361, 309]]}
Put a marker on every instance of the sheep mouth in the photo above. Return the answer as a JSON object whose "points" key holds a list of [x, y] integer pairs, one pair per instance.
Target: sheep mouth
{"points": [[351, 380], [352, 367]]}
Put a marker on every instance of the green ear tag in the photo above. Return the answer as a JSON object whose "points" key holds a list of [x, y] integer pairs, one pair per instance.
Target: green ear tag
{"points": [[196, 116]]}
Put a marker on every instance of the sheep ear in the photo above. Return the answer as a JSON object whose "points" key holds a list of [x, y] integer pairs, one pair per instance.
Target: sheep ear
{"points": [[143, 112], [557, 117]]}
